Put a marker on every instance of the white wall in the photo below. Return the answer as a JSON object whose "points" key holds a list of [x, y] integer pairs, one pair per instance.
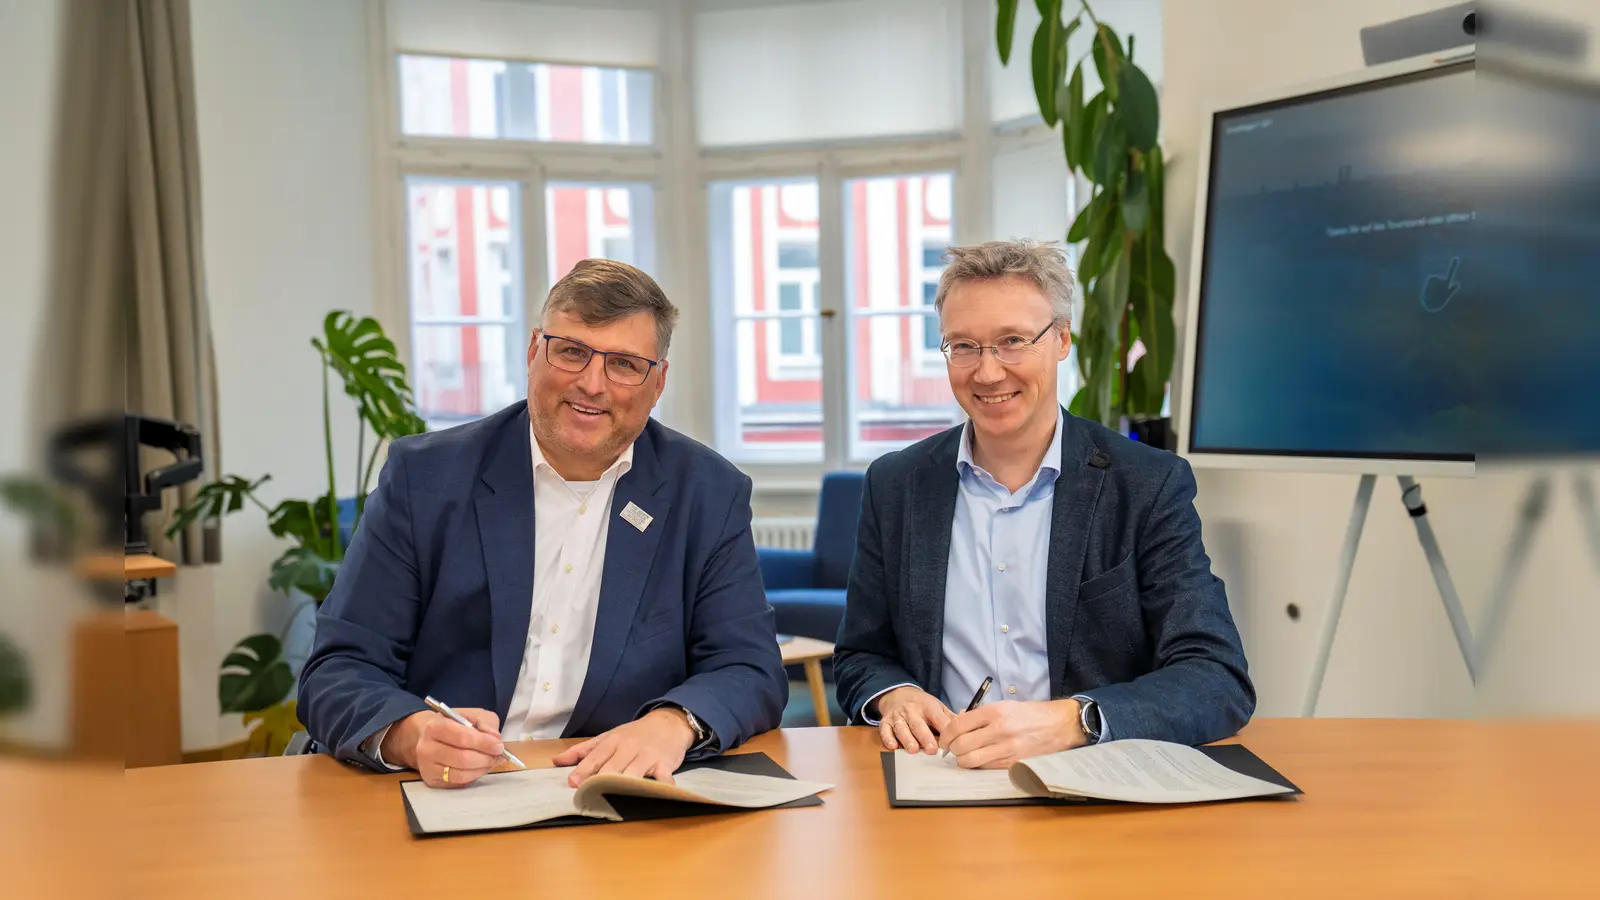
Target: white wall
{"points": [[32, 612], [1275, 537], [286, 159]]}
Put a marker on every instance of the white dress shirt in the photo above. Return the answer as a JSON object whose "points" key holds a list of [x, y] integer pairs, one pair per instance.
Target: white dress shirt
{"points": [[569, 551]]}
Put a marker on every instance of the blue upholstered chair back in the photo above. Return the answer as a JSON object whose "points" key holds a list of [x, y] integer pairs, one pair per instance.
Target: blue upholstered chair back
{"points": [[838, 512]]}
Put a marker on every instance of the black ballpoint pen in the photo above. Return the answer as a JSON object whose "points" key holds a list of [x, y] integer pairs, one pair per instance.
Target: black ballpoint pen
{"points": [[976, 699]]}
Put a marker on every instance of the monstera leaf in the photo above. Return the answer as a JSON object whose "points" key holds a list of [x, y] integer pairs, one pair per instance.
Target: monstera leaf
{"points": [[254, 675], [275, 725], [373, 375], [306, 569]]}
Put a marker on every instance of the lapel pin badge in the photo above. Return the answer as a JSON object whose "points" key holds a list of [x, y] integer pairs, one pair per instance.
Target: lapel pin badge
{"points": [[636, 517]]}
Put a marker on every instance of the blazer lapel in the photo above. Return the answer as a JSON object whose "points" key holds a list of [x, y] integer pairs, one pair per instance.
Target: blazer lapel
{"points": [[930, 515], [630, 552], [1077, 491], [505, 527]]}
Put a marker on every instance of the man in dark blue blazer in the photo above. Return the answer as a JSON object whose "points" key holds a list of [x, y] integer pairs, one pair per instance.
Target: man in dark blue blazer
{"points": [[1048, 555], [567, 566]]}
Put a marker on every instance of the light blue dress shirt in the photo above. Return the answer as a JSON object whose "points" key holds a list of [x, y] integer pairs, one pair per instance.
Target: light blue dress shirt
{"points": [[994, 593]]}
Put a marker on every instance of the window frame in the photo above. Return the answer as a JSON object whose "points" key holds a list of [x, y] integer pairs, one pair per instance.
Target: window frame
{"points": [[681, 173]]}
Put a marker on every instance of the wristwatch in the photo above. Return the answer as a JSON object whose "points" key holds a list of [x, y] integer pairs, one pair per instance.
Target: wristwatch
{"points": [[702, 734], [1089, 718]]}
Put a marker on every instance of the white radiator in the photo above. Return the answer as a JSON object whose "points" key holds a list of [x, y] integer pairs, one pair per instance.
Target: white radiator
{"points": [[784, 532]]}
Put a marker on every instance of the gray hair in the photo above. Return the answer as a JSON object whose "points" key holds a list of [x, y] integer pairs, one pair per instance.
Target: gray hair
{"points": [[602, 291], [1043, 263]]}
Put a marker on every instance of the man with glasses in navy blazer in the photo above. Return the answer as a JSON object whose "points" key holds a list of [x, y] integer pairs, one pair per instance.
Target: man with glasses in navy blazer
{"points": [[1034, 548], [566, 567]]}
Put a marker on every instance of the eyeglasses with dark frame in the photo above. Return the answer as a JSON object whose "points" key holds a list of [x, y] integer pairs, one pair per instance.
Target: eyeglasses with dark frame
{"points": [[569, 355], [965, 354]]}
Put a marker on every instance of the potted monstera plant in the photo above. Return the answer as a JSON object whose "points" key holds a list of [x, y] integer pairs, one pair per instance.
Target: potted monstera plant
{"points": [[1126, 337], [256, 677]]}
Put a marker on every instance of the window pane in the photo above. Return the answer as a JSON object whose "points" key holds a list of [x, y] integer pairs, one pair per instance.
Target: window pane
{"points": [[899, 387], [793, 342], [462, 372], [464, 249], [780, 72], [609, 221], [769, 369], [443, 96], [788, 297], [495, 29], [797, 256]]}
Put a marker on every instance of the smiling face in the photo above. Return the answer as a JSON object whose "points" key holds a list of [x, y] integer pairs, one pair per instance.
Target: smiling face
{"points": [[584, 420], [1006, 401]]}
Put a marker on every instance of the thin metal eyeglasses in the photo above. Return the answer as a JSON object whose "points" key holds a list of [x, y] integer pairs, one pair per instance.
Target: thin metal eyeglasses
{"points": [[1010, 350], [569, 355]]}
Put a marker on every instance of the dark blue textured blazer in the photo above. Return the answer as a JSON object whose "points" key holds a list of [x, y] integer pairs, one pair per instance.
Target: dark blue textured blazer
{"points": [[1135, 619], [435, 592]]}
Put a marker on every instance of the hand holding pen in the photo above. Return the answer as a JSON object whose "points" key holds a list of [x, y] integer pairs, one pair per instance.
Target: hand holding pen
{"points": [[977, 700], [449, 748]]}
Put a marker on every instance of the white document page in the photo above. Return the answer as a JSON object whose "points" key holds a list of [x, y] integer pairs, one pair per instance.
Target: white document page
{"points": [[920, 776], [509, 799], [501, 800], [1138, 771], [737, 788]]}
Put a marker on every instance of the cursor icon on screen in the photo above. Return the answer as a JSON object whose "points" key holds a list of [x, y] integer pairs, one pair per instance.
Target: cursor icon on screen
{"points": [[1438, 290]]}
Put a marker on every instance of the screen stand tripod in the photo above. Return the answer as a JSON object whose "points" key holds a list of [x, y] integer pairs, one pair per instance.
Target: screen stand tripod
{"points": [[1411, 494]]}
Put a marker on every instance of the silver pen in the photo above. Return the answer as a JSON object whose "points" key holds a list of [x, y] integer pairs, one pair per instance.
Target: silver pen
{"points": [[459, 719]]}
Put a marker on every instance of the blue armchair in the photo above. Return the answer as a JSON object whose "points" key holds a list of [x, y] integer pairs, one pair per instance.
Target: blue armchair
{"points": [[806, 587]]}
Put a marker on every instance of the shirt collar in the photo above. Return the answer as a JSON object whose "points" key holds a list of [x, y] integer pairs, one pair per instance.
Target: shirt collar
{"points": [[1052, 456], [621, 466]]}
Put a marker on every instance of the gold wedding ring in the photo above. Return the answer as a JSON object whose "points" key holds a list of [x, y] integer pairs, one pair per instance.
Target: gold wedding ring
{"points": [[446, 774]]}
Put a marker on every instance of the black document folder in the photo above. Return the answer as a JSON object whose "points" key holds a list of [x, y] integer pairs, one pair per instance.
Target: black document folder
{"points": [[1233, 756], [639, 809]]}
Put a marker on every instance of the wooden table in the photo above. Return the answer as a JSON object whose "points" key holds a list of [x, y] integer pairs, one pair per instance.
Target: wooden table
{"points": [[810, 652], [1393, 808]]}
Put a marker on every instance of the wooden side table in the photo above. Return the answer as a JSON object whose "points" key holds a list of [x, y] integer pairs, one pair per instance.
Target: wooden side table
{"points": [[810, 653], [125, 696]]}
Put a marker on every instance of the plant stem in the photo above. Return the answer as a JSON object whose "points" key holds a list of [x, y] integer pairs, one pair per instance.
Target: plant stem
{"points": [[366, 479], [327, 445], [361, 440], [1085, 5], [264, 508], [1152, 341], [1123, 336]]}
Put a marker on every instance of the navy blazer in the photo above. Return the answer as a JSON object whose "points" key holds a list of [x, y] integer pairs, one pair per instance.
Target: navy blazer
{"points": [[1135, 618], [435, 592]]}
